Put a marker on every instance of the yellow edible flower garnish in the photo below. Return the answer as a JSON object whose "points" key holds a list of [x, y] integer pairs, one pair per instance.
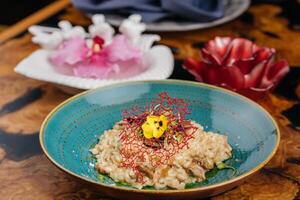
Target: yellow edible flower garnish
{"points": [[154, 126]]}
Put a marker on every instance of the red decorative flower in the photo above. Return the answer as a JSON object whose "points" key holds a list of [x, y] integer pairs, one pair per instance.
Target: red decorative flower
{"points": [[238, 64]]}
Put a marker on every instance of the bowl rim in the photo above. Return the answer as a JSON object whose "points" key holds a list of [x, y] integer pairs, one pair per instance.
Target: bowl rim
{"points": [[167, 191]]}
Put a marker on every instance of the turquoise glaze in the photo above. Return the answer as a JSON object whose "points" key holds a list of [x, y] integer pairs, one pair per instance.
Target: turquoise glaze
{"points": [[74, 127]]}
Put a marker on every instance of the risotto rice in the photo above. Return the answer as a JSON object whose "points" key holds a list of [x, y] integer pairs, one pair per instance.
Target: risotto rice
{"points": [[203, 152]]}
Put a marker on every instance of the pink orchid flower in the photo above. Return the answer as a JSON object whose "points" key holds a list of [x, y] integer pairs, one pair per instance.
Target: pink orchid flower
{"points": [[119, 59]]}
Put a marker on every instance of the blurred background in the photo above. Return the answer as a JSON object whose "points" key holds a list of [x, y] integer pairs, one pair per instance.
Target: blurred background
{"points": [[14, 10]]}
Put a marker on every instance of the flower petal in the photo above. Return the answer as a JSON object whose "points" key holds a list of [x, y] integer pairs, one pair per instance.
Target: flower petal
{"points": [[253, 78], [157, 133], [127, 69], [240, 49], [97, 66], [254, 93], [129, 59], [260, 55], [218, 48], [263, 54], [230, 76], [275, 73], [70, 52], [92, 71], [148, 130], [244, 65], [280, 69], [210, 58], [121, 50], [194, 67]]}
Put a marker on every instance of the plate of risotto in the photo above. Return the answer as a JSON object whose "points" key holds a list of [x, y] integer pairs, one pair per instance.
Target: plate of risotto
{"points": [[160, 139]]}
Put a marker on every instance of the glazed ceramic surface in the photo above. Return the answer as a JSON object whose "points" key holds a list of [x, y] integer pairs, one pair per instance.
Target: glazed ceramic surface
{"points": [[74, 127]]}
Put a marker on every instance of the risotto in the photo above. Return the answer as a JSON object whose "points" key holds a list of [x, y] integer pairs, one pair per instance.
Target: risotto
{"points": [[159, 149]]}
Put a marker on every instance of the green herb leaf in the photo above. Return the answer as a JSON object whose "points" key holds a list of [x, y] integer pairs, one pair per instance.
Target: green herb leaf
{"points": [[149, 187], [101, 177], [196, 184], [121, 183], [222, 165], [211, 173]]}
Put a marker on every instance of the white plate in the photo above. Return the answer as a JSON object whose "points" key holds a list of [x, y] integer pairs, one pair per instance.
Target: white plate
{"points": [[233, 9], [38, 67]]}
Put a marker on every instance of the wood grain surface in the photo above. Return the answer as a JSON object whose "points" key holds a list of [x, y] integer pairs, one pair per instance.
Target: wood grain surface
{"points": [[25, 173]]}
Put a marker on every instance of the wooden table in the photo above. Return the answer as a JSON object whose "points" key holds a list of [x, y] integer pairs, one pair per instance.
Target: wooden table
{"points": [[25, 173]]}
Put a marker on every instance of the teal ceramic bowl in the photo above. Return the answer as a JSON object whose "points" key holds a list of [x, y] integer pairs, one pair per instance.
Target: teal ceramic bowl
{"points": [[74, 126]]}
